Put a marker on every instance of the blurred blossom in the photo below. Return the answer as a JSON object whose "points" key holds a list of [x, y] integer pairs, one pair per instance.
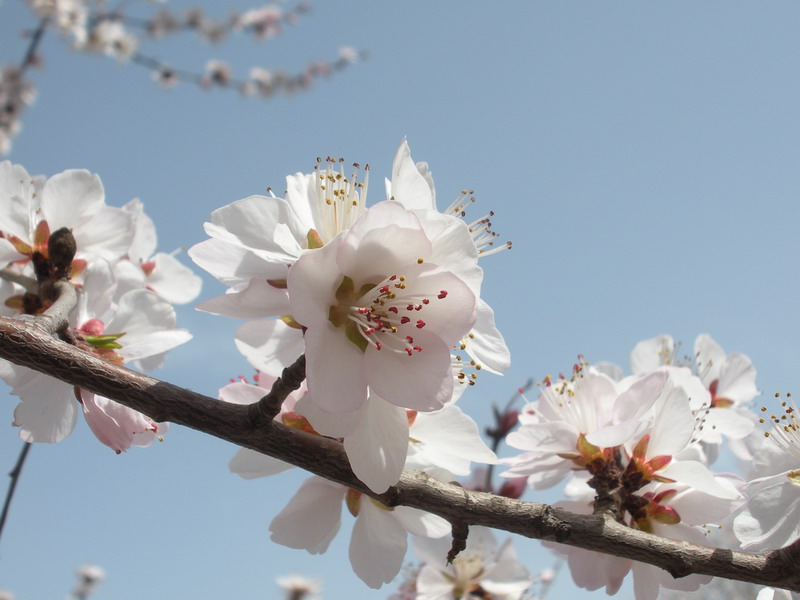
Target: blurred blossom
{"points": [[298, 587], [89, 578]]}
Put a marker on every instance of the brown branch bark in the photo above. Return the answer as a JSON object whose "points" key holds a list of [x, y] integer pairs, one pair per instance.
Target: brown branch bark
{"points": [[25, 343]]}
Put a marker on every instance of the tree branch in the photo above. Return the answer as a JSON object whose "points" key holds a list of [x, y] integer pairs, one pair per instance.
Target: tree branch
{"points": [[26, 344], [14, 475]]}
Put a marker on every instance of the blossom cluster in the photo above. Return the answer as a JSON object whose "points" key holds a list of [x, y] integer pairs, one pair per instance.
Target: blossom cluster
{"points": [[384, 302], [642, 446], [60, 228]]}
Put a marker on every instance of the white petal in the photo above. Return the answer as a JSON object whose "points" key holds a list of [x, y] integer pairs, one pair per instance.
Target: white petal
{"points": [[377, 448], [269, 346], [334, 370], [697, 475], [650, 354], [144, 239], [257, 299], [419, 522], [249, 464], [48, 410], [312, 518], [486, 344], [71, 197], [172, 280], [410, 185], [420, 381], [450, 439], [377, 546]]}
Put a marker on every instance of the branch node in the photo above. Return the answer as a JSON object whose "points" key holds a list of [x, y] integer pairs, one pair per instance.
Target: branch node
{"points": [[269, 406], [460, 534]]}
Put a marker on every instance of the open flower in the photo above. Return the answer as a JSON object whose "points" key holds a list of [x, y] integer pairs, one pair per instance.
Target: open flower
{"points": [[379, 315], [481, 570]]}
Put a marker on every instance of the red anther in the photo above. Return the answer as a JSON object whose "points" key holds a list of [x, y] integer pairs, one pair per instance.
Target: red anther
{"points": [[418, 307], [392, 309], [420, 323], [520, 391], [404, 320], [232, 380], [378, 345], [442, 294], [426, 301], [410, 307], [363, 310], [408, 351], [384, 289], [418, 348], [409, 339], [393, 277]]}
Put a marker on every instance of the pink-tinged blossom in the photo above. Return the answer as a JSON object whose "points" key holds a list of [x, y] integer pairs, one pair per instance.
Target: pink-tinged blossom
{"points": [[378, 542], [379, 315], [668, 510], [140, 328], [481, 570], [641, 426]]}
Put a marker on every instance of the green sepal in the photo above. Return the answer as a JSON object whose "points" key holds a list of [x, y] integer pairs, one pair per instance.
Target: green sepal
{"points": [[314, 240], [104, 342], [354, 335], [289, 320], [344, 292]]}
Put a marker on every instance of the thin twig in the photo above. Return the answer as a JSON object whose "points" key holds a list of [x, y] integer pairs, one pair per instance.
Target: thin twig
{"points": [[291, 378], [29, 283], [14, 474]]}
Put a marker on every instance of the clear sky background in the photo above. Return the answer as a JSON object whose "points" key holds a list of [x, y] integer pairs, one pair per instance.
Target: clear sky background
{"points": [[642, 157]]}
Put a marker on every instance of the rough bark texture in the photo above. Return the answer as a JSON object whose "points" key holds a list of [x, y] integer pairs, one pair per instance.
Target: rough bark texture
{"points": [[29, 342]]}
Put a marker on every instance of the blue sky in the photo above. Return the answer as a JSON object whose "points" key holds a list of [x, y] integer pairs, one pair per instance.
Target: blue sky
{"points": [[641, 156]]}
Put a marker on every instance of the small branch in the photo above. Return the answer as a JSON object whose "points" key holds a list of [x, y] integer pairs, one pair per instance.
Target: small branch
{"points": [[269, 406], [29, 283], [55, 319], [24, 343], [36, 39], [14, 474], [460, 532]]}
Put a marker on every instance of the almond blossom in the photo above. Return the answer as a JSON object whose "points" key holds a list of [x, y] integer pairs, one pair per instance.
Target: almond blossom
{"points": [[379, 315], [666, 509], [771, 517], [380, 533], [481, 570], [139, 328], [32, 208]]}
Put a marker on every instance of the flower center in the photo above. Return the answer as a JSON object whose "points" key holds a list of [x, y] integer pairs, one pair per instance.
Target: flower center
{"points": [[387, 319]]}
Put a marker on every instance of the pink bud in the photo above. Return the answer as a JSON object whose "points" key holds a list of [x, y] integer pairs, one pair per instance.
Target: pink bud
{"points": [[513, 488]]}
